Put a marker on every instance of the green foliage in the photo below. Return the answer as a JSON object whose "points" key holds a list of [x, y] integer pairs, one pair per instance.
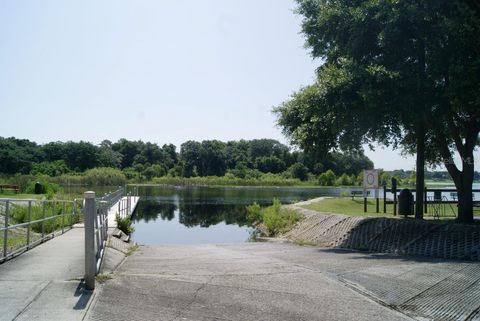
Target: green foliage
{"points": [[269, 164], [278, 220], [274, 218], [124, 224], [397, 72], [53, 210], [55, 168], [298, 170], [344, 180], [327, 179], [104, 176], [264, 180], [47, 187], [254, 213]]}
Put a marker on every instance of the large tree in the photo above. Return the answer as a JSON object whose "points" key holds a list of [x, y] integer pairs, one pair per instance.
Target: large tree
{"points": [[397, 72]]}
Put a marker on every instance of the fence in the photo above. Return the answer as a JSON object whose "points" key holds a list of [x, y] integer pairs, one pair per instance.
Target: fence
{"points": [[96, 231], [434, 200], [25, 223]]}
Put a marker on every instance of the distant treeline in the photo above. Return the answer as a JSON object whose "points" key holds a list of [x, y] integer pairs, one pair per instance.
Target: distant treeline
{"points": [[138, 160]]}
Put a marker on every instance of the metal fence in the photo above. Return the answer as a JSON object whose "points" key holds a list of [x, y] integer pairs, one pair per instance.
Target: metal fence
{"points": [[96, 231], [125, 207], [25, 223]]}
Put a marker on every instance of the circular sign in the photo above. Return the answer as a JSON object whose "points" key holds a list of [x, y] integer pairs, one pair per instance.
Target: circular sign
{"points": [[370, 178]]}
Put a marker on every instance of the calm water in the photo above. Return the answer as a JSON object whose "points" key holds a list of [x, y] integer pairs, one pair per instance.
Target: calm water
{"points": [[188, 215]]}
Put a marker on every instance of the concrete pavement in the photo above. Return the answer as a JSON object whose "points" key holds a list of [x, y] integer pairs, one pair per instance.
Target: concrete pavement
{"points": [[45, 283], [252, 281]]}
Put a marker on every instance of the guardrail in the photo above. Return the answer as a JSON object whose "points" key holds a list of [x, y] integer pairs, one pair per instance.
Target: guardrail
{"points": [[432, 197], [125, 207], [25, 223], [96, 231]]}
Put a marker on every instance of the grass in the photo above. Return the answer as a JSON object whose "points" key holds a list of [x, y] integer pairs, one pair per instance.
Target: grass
{"points": [[21, 195], [102, 278], [131, 249], [347, 206], [17, 238], [304, 243]]}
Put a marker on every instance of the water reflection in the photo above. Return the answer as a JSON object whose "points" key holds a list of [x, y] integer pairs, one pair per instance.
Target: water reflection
{"points": [[191, 214], [169, 214], [150, 210]]}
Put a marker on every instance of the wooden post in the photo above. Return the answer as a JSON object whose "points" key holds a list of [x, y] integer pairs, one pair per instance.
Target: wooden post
{"points": [[394, 191], [425, 200], [384, 198]]}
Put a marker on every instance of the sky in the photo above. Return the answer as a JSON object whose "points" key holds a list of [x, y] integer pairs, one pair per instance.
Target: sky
{"points": [[164, 71]]}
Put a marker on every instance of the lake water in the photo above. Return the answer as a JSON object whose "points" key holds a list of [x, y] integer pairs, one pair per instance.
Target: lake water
{"points": [[195, 215]]}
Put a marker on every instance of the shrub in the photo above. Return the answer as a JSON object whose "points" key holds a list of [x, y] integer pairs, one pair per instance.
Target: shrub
{"points": [[298, 170], [275, 218], [124, 224], [254, 213], [46, 187], [104, 176], [344, 180], [327, 179]]}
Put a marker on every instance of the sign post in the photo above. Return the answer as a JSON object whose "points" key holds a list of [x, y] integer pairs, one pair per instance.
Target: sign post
{"points": [[370, 181]]}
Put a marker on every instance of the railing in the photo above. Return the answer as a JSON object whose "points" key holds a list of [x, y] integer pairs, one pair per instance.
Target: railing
{"points": [[125, 207], [113, 197], [25, 223], [96, 231], [431, 198]]}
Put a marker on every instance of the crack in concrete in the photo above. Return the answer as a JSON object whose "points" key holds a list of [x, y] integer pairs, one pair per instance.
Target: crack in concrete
{"points": [[33, 300]]}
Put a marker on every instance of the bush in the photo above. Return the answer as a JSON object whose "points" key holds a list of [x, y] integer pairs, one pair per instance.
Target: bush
{"points": [[344, 180], [254, 213], [46, 187], [298, 170], [124, 224], [275, 218], [327, 179], [104, 176], [19, 214], [55, 168]]}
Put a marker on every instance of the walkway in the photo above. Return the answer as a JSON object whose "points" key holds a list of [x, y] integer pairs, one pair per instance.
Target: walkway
{"points": [[45, 282]]}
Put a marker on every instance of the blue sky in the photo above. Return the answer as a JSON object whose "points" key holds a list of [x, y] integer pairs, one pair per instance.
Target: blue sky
{"points": [[160, 71]]}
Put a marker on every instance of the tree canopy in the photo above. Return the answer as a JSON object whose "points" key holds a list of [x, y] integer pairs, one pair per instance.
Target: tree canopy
{"points": [[243, 159], [405, 73]]}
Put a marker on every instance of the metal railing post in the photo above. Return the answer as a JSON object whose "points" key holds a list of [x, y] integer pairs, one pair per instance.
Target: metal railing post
{"points": [[43, 220], [29, 219], [129, 205], [5, 235], [90, 257]]}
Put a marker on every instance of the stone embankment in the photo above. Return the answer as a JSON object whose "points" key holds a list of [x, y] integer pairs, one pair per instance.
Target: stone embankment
{"points": [[387, 235]]}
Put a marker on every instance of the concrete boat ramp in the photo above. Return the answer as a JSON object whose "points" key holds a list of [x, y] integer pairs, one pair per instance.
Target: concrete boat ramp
{"points": [[249, 281]]}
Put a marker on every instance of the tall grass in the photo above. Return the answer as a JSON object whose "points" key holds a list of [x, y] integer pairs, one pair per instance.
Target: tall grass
{"points": [[268, 180], [274, 218], [53, 215]]}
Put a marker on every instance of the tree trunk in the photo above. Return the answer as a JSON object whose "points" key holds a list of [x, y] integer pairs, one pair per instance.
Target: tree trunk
{"points": [[420, 174], [464, 188]]}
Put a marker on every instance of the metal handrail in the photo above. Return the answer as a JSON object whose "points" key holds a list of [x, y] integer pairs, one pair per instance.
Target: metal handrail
{"points": [[24, 223], [96, 231]]}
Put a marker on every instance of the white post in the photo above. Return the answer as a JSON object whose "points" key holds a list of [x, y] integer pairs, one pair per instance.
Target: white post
{"points": [[90, 262]]}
